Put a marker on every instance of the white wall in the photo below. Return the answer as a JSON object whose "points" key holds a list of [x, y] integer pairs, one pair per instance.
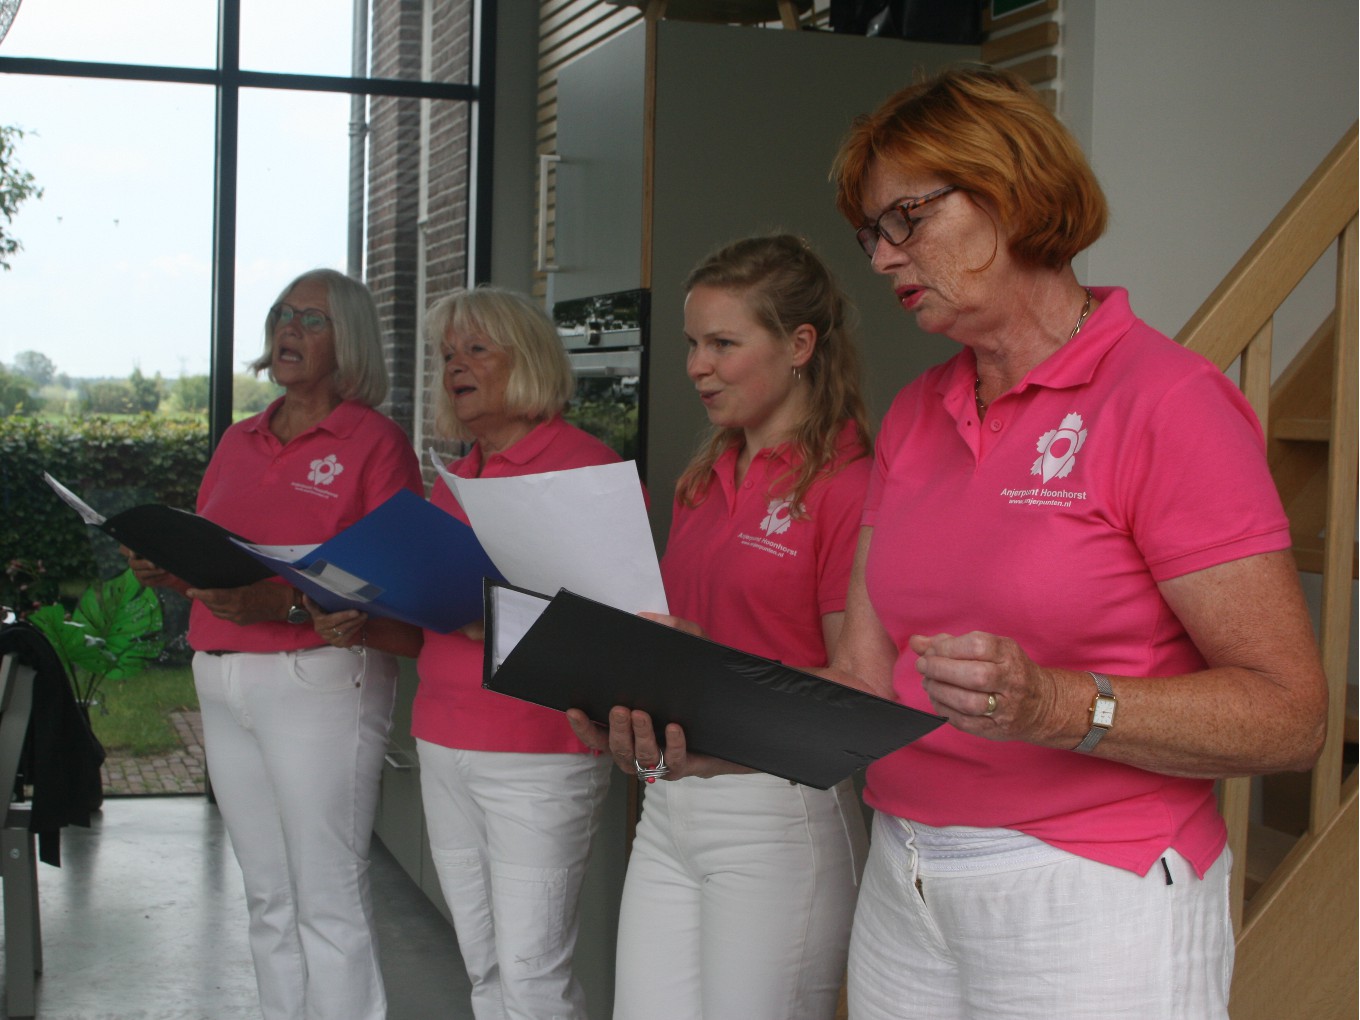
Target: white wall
{"points": [[1201, 119]]}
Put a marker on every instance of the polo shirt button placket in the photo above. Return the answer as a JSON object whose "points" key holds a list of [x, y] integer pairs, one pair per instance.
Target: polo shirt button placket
{"points": [[994, 425]]}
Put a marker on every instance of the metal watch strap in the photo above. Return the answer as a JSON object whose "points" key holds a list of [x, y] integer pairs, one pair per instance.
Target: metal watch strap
{"points": [[1103, 690]]}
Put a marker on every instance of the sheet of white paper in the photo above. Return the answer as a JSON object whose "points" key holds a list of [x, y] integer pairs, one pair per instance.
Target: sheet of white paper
{"points": [[87, 513], [584, 529], [515, 612]]}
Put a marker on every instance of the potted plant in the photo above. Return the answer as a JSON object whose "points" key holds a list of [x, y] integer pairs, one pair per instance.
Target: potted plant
{"points": [[113, 633]]}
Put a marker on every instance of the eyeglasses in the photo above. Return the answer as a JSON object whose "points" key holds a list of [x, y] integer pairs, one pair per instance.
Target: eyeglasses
{"points": [[313, 320], [895, 225]]}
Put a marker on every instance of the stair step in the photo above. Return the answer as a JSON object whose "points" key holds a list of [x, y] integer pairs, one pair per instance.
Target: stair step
{"points": [[1308, 430], [1266, 848]]}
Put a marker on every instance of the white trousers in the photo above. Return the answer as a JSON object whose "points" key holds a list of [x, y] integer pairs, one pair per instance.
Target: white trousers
{"points": [[295, 744], [510, 836], [738, 901], [1004, 927]]}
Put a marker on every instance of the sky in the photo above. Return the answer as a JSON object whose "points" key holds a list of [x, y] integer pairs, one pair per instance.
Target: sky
{"points": [[115, 271]]}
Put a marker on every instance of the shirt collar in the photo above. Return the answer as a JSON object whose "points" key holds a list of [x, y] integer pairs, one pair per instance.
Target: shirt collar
{"points": [[726, 464], [522, 451], [340, 423], [1072, 364]]}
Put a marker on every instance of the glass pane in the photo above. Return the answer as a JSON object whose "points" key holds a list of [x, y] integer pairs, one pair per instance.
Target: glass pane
{"points": [[292, 201], [317, 37], [173, 33], [115, 271], [107, 318], [298, 37]]}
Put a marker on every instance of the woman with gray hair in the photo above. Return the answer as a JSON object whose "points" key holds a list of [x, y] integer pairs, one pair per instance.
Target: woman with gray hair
{"points": [[512, 797], [294, 730]]}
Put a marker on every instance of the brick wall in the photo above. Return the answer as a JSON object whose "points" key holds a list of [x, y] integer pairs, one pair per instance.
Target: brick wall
{"points": [[395, 208]]}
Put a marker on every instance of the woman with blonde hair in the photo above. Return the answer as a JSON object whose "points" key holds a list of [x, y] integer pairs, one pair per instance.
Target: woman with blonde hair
{"points": [[512, 797], [741, 887]]}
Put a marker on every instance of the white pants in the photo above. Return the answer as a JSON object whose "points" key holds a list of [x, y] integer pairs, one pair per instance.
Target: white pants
{"points": [[295, 744], [510, 836], [738, 901], [1005, 927]]}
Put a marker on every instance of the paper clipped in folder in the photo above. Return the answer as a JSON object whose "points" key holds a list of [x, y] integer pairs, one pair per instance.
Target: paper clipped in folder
{"points": [[406, 559], [191, 547], [571, 652]]}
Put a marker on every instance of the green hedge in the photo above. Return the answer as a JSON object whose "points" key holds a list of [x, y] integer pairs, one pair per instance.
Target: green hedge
{"points": [[110, 463]]}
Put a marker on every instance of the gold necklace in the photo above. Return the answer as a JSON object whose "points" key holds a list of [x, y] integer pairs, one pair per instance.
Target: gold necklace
{"points": [[977, 380]]}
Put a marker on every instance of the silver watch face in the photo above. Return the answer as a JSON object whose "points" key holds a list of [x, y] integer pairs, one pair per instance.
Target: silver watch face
{"points": [[1102, 712], [297, 614]]}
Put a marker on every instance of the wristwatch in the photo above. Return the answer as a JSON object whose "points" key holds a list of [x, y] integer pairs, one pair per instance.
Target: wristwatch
{"points": [[297, 612], [1102, 713]]}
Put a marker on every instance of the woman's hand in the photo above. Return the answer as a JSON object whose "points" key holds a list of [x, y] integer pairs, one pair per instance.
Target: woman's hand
{"points": [[986, 685], [632, 742], [341, 629], [251, 603], [150, 575]]}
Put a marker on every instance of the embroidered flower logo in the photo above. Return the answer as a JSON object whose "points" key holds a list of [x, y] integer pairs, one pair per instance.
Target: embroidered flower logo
{"points": [[324, 471], [1058, 449], [778, 517]]}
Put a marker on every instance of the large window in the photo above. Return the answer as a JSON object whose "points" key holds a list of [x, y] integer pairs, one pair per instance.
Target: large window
{"points": [[195, 155]]}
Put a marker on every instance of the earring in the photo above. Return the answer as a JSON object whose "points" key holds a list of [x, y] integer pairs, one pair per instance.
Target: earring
{"points": [[797, 375]]}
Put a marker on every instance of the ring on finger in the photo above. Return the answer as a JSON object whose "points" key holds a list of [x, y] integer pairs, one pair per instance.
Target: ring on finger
{"points": [[991, 704], [657, 771]]}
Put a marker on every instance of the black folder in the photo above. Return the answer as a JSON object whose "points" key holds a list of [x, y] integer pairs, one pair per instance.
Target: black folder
{"points": [[733, 705], [191, 547]]}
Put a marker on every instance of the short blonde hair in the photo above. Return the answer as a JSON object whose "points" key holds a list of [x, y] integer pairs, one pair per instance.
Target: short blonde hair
{"points": [[541, 381], [360, 369], [988, 133]]}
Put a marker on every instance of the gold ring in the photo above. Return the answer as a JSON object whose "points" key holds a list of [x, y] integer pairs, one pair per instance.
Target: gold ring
{"points": [[991, 704]]}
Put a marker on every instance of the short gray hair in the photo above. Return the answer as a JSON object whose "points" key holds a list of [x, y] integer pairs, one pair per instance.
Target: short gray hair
{"points": [[360, 370]]}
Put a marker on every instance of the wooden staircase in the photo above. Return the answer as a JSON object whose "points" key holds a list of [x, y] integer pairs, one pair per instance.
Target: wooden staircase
{"points": [[1295, 883]]}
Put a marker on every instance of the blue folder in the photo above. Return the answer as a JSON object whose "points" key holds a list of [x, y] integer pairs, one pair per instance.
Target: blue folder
{"points": [[407, 560]]}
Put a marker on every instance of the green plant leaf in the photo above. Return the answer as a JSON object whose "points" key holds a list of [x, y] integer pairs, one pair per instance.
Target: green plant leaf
{"points": [[124, 627]]}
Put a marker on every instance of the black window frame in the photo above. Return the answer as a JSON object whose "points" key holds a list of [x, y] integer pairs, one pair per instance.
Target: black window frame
{"points": [[228, 80]]}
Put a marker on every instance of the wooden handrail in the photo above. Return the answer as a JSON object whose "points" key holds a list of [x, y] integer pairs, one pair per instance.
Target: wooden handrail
{"points": [[1237, 321], [1274, 265]]}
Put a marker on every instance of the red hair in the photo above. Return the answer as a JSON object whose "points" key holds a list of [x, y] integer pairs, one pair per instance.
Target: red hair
{"points": [[987, 132]]}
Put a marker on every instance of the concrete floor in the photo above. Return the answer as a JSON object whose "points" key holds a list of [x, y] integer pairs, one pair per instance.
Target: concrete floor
{"points": [[145, 920]]}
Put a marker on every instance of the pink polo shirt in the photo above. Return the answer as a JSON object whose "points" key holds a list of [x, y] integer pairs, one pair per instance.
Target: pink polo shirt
{"points": [[299, 494], [753, 575], [1120, 461], [452, 708]]}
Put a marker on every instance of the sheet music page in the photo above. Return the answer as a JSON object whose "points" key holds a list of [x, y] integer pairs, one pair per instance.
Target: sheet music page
{"points": [[584, 529]]}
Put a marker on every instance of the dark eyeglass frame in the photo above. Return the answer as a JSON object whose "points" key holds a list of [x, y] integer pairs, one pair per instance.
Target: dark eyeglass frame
{"points": [[899, 221], [312, 320]]}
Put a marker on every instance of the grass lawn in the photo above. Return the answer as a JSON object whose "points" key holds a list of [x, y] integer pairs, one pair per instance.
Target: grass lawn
{"points": [[132, 716]]}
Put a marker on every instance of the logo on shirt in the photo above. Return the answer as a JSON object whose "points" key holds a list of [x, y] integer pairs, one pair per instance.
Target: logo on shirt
{"points": [[778, 517], [1058, 449], [777, 520], [324, 471]]}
